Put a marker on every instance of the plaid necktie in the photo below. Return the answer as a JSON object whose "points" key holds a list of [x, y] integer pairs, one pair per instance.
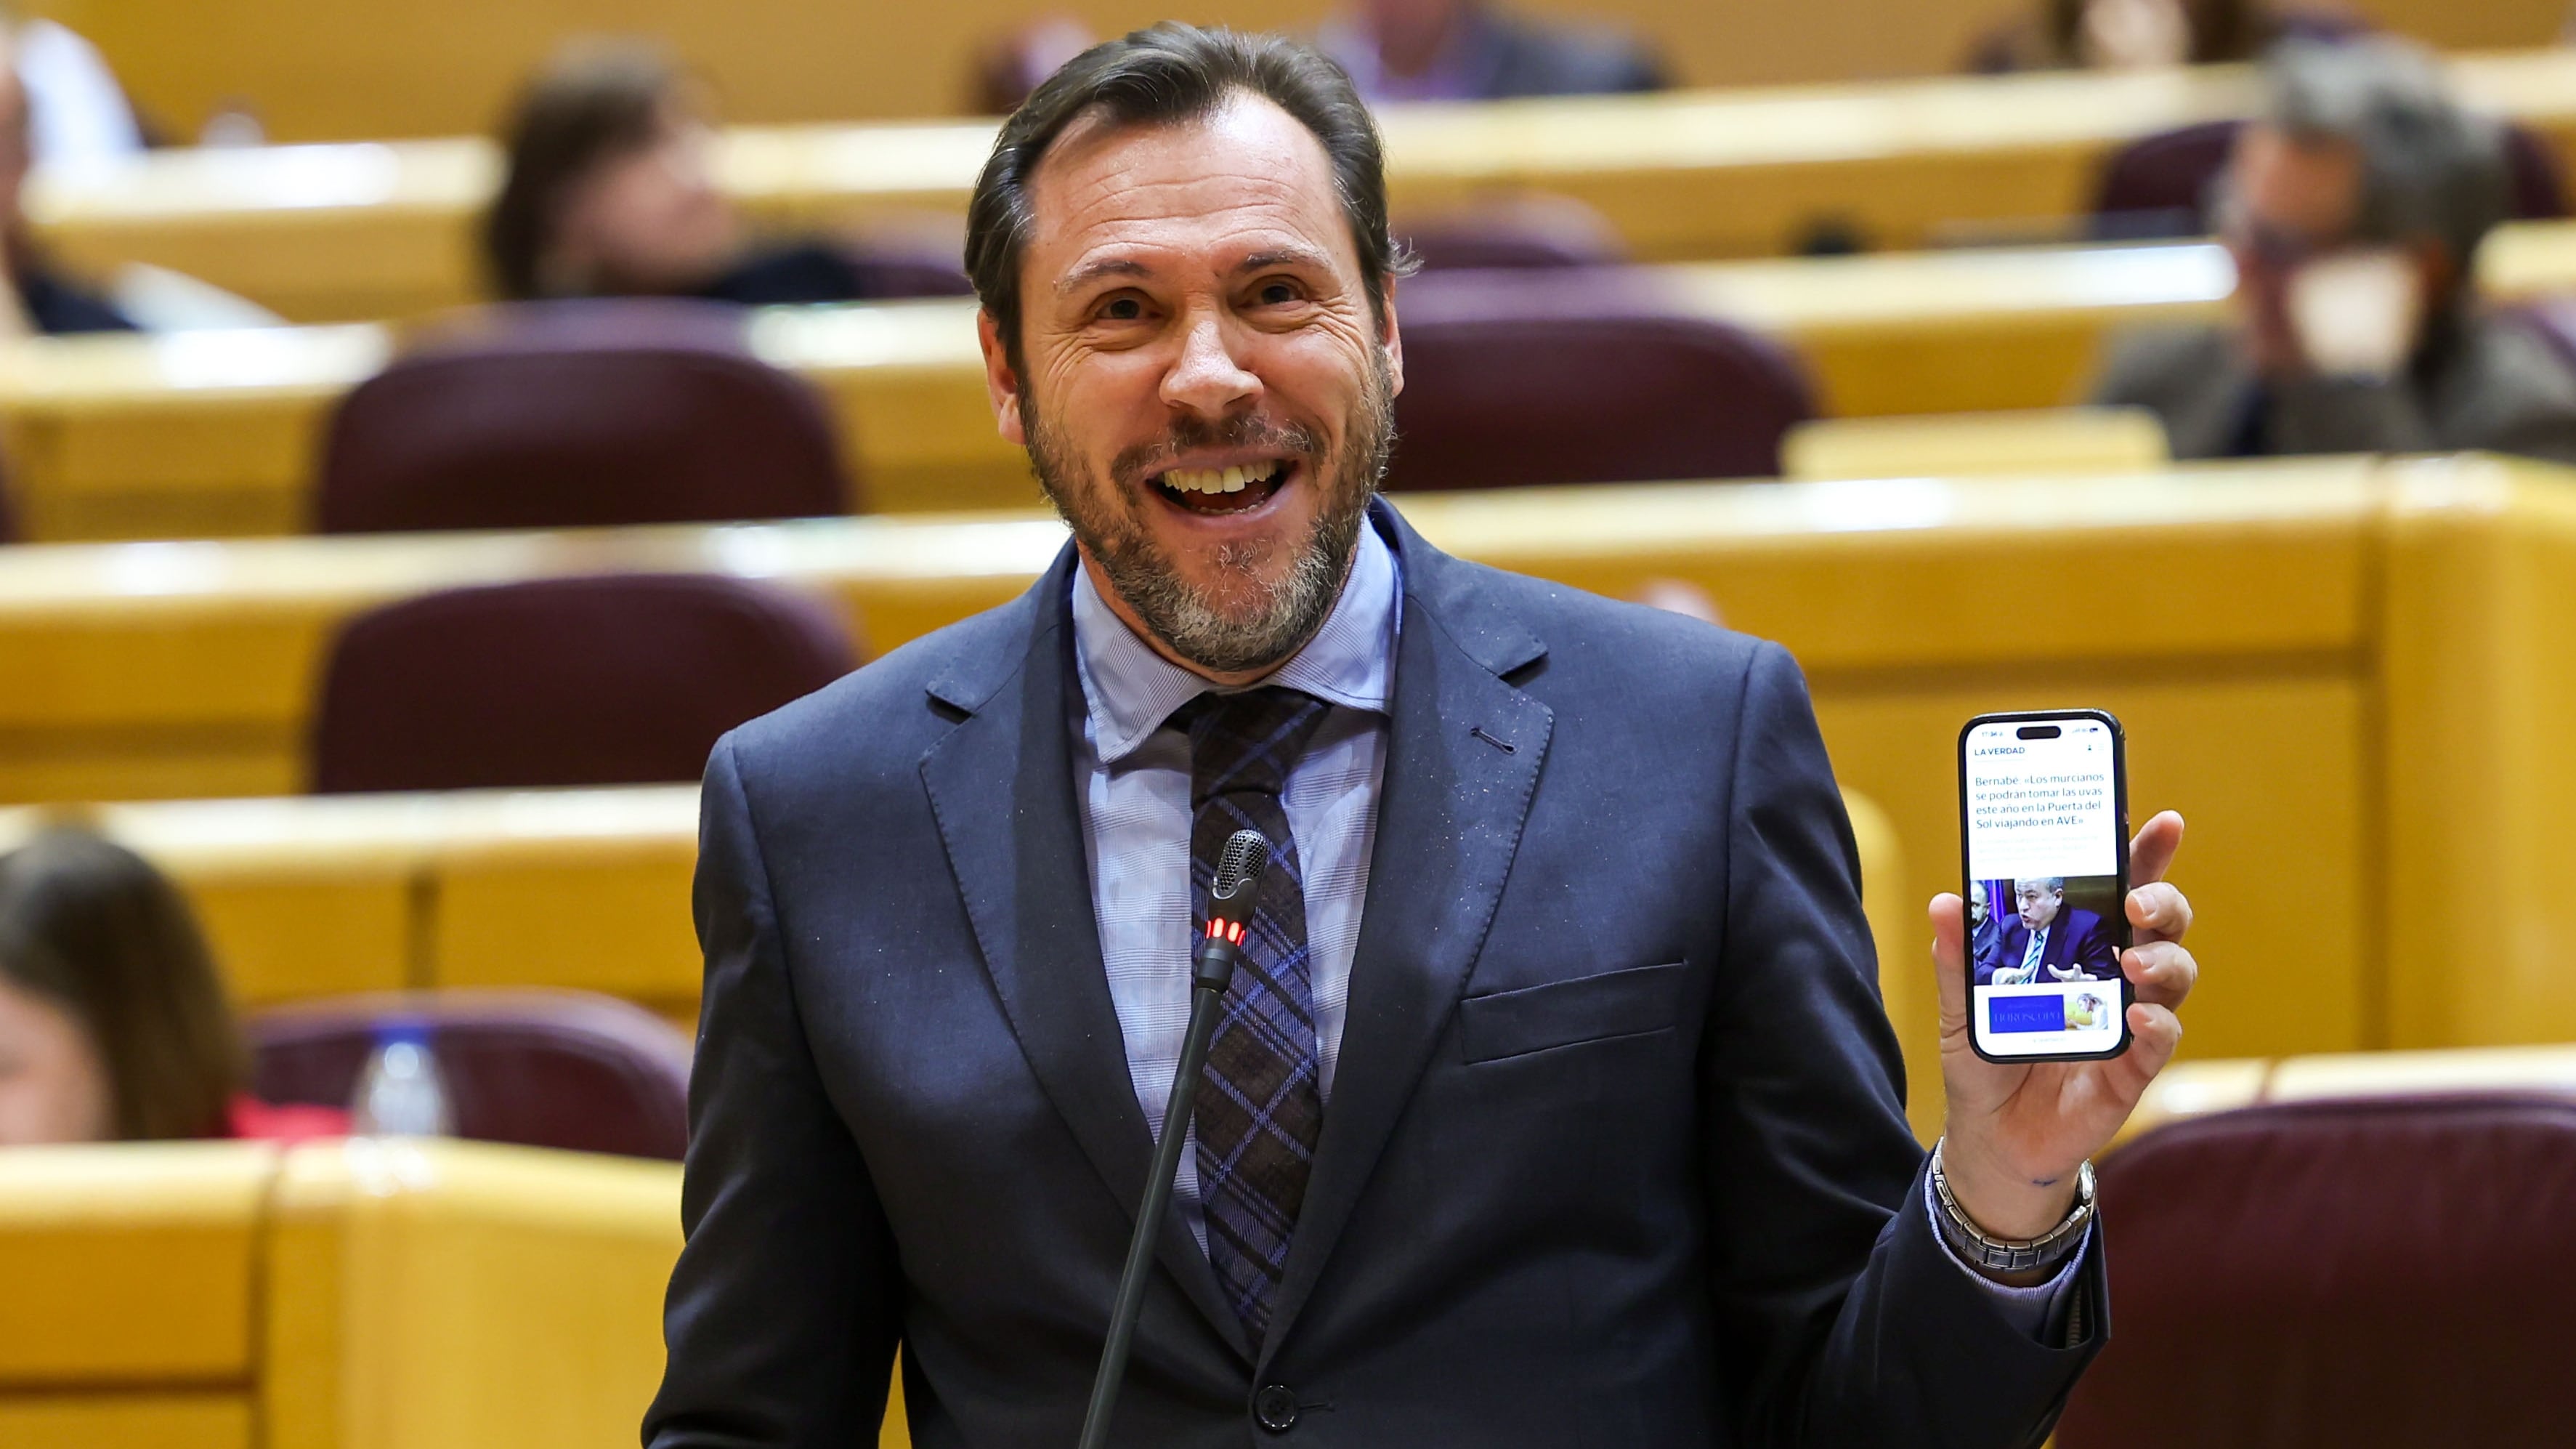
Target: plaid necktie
{"points": [[1259, 1107]]}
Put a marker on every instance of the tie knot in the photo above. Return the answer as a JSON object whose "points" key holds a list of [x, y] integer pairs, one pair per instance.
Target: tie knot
{"points": [[1247, 741]]}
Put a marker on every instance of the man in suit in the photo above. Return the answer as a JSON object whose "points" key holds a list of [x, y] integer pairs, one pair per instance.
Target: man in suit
{"points": [[1554, 1103], [2049, 940], [2354, 207]]}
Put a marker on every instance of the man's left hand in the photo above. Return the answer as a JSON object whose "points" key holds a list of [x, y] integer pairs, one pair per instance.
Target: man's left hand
{"points": [[2017, 1132]]}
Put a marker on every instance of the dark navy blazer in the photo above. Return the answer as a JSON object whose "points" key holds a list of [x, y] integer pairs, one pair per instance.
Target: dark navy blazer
{"points": [[2079, 938], [1616, 1154]]}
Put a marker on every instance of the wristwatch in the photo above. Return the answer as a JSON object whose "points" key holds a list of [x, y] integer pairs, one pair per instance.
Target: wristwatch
{"points": [[2004, 1255]]}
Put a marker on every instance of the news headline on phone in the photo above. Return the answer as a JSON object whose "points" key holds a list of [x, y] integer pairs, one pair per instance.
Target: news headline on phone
{"points": [[2044, 887]]}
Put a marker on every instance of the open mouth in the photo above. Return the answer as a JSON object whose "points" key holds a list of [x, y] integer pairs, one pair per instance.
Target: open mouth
{"points": [[1236, 489]]}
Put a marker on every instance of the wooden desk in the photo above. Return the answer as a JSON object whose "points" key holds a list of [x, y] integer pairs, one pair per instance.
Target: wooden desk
{"points": [[367, 231], [2293, 680], [393, 1294], [306, 896], [215, 434]]}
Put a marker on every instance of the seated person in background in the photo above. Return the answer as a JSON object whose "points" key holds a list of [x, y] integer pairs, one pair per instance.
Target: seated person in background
{"points": [[77, 109], [39, 300], [1465, 50], [611, 191], [1010, 66], [1985, 938], [2354, 206], [2140, 34], [113, 1026], [2049, 941]]}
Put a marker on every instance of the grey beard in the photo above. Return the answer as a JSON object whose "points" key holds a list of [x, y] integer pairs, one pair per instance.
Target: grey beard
{"points": [[1285, 612]]}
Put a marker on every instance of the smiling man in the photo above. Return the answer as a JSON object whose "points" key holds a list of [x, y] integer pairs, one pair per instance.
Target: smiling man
{"points": [[1553, 1103]]}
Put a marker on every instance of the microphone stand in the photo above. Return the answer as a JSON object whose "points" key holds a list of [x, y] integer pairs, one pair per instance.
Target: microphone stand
{"points": [[1210, 974]]}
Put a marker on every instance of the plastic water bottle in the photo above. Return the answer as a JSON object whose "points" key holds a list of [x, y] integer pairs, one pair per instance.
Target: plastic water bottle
{"points": [[400, 1094]]}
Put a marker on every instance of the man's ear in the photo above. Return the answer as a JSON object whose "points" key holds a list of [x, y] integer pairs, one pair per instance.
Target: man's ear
{"points": [[1392, 339], [1001, 380]]}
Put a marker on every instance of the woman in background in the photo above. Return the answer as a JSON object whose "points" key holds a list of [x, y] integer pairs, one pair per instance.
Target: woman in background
{"points": [[113, 1024], [611, 192]]}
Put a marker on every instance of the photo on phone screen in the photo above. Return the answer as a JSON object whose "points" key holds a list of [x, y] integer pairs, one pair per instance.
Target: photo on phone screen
{"points": [[2044, 829]]}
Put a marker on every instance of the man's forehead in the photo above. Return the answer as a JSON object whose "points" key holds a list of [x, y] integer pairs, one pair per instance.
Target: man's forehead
{"points": [[1245, 162]]}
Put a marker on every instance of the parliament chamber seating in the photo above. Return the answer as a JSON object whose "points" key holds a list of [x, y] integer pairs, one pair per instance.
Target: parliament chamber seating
{"points": [[214, 434], [394, 1294], [575, 1071], [1519, 378], [382, 230], [2295, 678], [2159, 185], [2361, 1272], [566, 414], [603, 680]]}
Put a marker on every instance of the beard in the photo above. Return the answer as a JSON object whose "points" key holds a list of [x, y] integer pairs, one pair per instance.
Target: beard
{"points": [[1259, 610]]}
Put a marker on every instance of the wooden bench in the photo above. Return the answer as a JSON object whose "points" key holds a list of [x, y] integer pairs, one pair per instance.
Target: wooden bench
{"points": [[2345, 672], [366, 231], [361, 1295], [216, 434]]}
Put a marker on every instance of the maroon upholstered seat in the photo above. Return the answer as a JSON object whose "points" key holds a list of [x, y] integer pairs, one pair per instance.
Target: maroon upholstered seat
{"points": [[1581, 376], [2159, 185], [613, 679], [543, 1068], [565, 414], [2354, 1273]]}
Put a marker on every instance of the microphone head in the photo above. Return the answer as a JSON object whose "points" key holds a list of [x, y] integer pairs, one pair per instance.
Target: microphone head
{"points": [[1238, 876]]}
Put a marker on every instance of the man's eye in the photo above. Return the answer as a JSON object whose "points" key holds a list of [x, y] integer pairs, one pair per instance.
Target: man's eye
{"points": [[1123, 309], [1277, 294]]}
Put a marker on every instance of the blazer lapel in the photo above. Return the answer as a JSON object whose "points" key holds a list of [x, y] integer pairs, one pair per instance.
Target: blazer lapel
{"points": [[1463, 758], [1002, 789]]}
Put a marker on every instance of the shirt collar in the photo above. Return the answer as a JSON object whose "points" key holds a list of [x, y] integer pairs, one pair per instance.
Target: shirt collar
{"points": [[1130, 690]]}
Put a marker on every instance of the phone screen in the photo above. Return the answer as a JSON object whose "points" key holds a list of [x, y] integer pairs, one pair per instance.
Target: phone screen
{"points": [[2047, 865]]}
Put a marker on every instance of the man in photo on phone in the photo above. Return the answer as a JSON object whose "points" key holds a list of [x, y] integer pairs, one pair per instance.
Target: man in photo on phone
{"points": [[2050, 940]]}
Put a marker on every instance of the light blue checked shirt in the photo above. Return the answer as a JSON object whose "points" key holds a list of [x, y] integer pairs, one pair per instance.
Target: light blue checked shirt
{"points": [[1134, 777], [1135, 801]]}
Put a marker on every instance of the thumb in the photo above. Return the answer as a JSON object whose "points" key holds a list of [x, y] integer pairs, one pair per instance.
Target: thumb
{"points": [[1950, 962]]}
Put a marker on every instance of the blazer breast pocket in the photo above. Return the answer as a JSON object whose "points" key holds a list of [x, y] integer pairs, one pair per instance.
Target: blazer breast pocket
{"points": [[1567, 1013]]}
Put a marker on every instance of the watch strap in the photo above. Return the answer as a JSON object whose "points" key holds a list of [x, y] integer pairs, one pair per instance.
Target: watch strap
{"points": [[2006, 1255]]}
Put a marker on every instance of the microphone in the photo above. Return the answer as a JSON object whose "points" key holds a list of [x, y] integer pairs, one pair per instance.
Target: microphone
{"points": [[1238, 880]]}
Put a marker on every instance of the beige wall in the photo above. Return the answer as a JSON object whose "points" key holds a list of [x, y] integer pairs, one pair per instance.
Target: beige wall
{"points": [[337, 69]]}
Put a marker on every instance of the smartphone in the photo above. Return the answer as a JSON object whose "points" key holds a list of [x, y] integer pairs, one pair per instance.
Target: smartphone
{"points": [[2044, 833]]}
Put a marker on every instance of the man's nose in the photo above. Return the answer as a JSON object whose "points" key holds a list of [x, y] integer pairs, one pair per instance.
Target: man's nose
{"points": [[1207, 378]]}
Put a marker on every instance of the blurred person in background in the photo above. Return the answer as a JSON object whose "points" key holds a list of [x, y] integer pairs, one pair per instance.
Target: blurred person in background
{"points": [[1465, 50], [113, 1023], [2141, 34], [1010, 66], [39, 299], [611, 191], [77, 110], [2354, 207]]}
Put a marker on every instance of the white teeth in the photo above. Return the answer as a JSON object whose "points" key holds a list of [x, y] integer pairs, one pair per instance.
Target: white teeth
{"points": [[1220, 480]]}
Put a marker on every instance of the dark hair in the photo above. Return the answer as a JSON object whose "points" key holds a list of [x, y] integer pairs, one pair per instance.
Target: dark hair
{"points": [[1157, 76], [2221, 30], [593, 102], [89, 924]]}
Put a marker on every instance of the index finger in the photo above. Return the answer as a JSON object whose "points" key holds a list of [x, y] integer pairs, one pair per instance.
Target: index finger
{"points": [[2151, 853]]}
